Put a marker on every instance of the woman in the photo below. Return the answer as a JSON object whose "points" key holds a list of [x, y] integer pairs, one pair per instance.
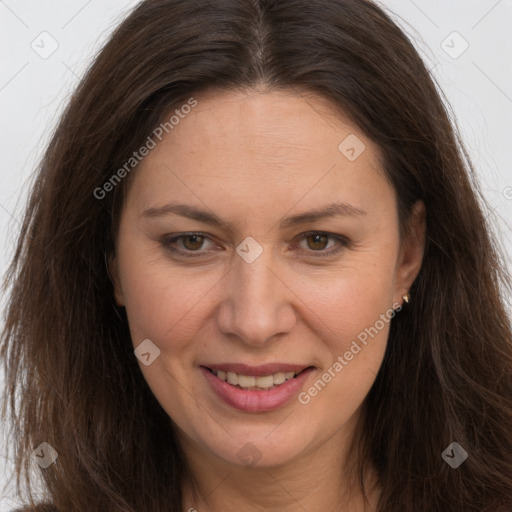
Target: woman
{"points": [[255, 273]]}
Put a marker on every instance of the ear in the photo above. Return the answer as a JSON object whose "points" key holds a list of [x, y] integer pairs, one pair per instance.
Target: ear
{"points": [[113, 271], [412, 251]]}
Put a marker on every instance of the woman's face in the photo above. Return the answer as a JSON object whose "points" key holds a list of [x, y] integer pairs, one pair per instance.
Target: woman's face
{"points": [[295, 266]]}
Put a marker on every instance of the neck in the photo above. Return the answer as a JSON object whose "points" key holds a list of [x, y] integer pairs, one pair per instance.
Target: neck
{"points": [[315, 481]]}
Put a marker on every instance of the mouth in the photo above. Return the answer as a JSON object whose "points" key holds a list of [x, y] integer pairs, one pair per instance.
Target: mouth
{"points": [[256, 389], [256, 379]]}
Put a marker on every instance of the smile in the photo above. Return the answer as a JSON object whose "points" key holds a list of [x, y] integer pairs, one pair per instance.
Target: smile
{"points": [[254, 383], [266, 391]]}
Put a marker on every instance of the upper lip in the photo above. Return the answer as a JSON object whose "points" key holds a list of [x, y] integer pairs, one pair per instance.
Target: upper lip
{"points": [[257, 371]]}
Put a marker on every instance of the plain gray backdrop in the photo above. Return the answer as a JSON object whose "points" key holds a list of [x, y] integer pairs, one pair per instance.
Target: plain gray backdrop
{"points": [[46, 47]]}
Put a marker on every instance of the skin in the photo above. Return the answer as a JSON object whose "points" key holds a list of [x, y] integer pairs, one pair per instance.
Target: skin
{"points": [[254, 158]]}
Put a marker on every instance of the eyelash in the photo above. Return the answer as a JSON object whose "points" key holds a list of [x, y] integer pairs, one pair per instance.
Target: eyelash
{"points": [[342, 241]]}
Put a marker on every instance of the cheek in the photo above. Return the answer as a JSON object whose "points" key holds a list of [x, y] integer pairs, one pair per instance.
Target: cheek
{"points": [[355, 310], [353, 298], [162, 302], [355, 316]]}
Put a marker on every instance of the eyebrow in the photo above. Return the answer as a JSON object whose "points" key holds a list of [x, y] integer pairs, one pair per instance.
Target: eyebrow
{"points": [[192, 212]]}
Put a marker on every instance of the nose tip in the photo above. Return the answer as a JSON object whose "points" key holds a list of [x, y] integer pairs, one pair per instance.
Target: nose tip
{"points": [[257, 304]]}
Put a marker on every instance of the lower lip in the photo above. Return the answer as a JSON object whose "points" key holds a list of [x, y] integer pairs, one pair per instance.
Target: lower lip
{"points": [[256, 401]]}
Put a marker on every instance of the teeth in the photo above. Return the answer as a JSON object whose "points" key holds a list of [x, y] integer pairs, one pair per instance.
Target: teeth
{"points": [[279, 378], [264, 382], [249, 381], [232, 378]]}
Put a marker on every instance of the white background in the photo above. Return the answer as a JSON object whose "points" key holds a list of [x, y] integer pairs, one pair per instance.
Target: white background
{"points": [[33, 91]]}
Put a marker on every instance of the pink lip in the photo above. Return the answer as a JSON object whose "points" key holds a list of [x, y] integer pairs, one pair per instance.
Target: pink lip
{"points": [[256, 401], [257, 371]]}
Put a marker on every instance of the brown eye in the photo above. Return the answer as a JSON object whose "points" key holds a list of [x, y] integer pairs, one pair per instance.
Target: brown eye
{"points": [[187, 245], [196, 241], [320, 244], [318, 241]]}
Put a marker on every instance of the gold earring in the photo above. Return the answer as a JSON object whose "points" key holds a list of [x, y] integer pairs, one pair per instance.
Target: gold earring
{"points": [[407, 297]]}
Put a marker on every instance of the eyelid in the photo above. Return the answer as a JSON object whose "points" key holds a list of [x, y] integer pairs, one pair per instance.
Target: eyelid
{"points": [[343, 243], [168, 239]]}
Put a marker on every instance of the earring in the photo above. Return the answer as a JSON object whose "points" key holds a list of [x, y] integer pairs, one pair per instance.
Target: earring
{"points": [[407, 298]]}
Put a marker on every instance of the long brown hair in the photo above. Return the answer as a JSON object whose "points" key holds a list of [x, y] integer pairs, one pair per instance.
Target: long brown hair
{"points": [[72, 378]]}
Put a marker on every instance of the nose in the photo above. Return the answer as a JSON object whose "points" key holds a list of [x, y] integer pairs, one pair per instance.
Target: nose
{"points": [[258, 303]]}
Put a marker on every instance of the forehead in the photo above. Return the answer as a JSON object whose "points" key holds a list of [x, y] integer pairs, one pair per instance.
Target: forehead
{"points": [[271, 148], [263, 125]]}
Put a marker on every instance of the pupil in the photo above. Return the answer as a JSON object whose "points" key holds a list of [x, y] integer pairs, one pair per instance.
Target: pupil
{"points": [[316, 237], [189, 237]]}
